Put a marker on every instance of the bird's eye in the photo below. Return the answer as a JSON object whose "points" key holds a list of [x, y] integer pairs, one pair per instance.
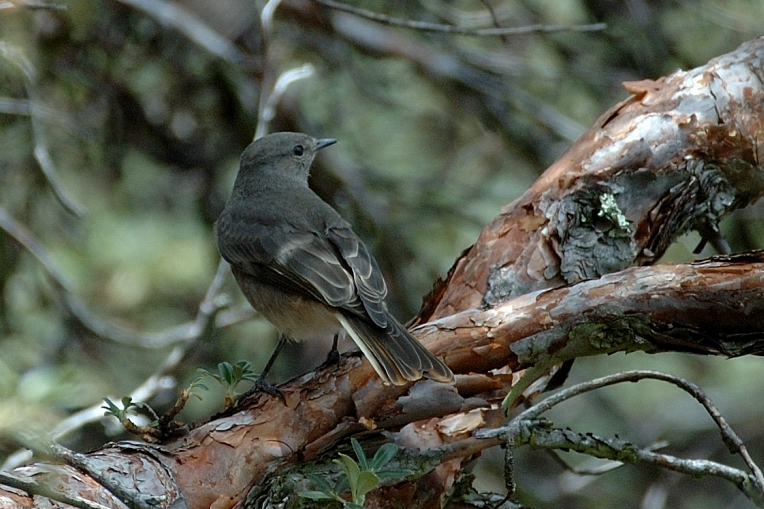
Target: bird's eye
{"points": [[298, 150]]}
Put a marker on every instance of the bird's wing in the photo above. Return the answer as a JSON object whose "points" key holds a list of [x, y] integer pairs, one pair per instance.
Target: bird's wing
{"points": [[335, 268], [370, 287]]}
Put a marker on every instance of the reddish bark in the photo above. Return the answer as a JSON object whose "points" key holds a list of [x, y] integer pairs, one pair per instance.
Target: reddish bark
{"points": [[679, 154]]}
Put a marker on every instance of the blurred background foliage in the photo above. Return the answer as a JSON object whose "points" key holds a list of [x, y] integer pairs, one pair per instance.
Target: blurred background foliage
{"points": [[144, 117]]}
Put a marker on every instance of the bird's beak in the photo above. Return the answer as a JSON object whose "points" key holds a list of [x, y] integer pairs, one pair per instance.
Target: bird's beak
{"points": [[325, 142]]}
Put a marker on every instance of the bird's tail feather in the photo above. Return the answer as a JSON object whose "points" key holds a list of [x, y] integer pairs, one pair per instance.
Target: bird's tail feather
{"points": [[396, 356]]}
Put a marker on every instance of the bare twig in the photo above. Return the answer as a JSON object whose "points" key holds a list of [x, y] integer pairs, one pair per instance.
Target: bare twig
{"points": [[172, 14], [266, 17], [444, 65], [188, 333], [16, 57], [530, 432], [12, 106], [730, 438], [451, 29], [270, 96], [268, 106], [452, 14], [79, 461], [87, 318], [25, 238], [494, 18], [159, 380], [51, 450], [33, 4]]}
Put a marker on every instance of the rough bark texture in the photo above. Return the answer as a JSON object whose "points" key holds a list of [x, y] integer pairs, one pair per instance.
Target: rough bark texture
{"points": [[679, 154]]}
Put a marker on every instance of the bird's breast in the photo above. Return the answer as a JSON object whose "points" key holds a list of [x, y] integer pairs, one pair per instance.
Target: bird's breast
{"points": [[293, 315]]}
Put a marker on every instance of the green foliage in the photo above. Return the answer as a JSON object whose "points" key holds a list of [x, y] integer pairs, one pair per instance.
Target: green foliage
{"points": [[358, 477], [128, 407], [227, 375], [149, 432]]}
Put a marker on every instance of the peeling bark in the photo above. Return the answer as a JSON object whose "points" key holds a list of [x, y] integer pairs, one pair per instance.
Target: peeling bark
{"points": [[679, 154]]}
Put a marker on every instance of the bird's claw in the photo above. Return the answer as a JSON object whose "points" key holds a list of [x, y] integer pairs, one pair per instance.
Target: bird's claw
{"points": [[259, 386], [333, 357]]}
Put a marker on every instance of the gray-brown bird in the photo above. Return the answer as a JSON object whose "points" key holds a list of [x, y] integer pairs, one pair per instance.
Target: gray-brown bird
{"points": [[302, 266]]}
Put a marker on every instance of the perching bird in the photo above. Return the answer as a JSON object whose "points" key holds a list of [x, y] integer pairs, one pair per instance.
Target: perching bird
{"points": [[302, 266]]}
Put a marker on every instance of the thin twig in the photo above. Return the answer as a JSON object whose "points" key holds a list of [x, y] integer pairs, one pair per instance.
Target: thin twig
{"points": [[730, 438], [451, 14], [494, 18], [34, 5], [457, 30], [172, 14], [269, 100], [268, 110], [266, 17], [13, 106], [541, 436], [444, 65], [24, 237], [159, 380], [96, 324], [16, 57]]}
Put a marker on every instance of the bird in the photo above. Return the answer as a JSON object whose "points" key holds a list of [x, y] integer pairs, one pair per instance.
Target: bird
{"points": [[301, 266]]}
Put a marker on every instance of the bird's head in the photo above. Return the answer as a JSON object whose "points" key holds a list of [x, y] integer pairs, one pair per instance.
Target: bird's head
{"points": [[281, 156]]}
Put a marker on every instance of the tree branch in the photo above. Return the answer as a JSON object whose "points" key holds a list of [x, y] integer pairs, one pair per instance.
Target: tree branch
{"points": [[531, 433], [679, 154], [456, 30], [522, 429]]}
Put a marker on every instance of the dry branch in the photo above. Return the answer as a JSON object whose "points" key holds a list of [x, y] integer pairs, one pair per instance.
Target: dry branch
{"points": [[679, 154]]}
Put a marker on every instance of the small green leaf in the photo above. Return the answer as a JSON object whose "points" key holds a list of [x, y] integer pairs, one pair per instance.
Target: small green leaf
{"points": [[383, 456], [349, 465], [360, 454], [226, 372], [351, 470], [204, 372], [111, 408], [393, 473], [367, 481], [316, 495], [320, 483]]}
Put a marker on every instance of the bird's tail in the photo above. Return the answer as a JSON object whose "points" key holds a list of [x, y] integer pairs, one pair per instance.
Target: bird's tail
{"points": [[397, 357]]}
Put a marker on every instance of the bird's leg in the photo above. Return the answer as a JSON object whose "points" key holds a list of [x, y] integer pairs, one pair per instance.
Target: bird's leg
{"points": [[276, 351], [260, 385], [709, 232], [333, 357]]}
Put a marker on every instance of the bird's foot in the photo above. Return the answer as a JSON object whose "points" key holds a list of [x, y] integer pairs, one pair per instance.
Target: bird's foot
{"points": [[259, 386], [333, 357]]}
